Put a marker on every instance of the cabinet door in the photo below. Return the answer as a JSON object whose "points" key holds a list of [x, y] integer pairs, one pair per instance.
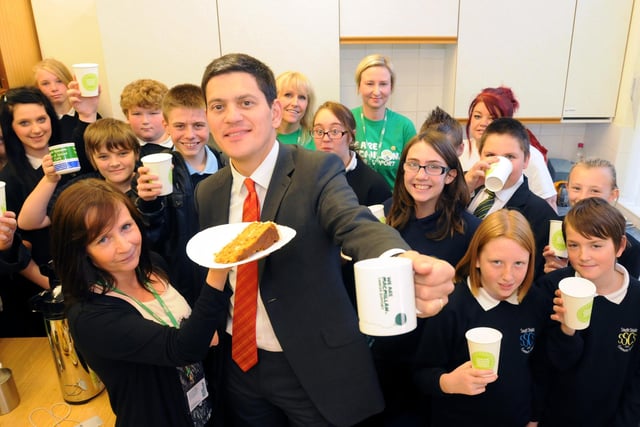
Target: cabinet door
{"points": [[406, 18], [286, 35], [597, 55], [520, 44]]}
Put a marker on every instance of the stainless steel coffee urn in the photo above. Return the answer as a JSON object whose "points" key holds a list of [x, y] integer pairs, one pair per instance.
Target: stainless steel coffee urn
{"points": [[77, 381]]}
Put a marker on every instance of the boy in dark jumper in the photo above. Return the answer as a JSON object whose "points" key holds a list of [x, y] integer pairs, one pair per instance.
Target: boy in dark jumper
{"points": [[594, 378], [508, 138]]}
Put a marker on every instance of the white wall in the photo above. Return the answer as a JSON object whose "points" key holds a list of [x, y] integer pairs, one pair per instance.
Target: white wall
{"points": [[69, 32], [622, 142], [130, 40]]}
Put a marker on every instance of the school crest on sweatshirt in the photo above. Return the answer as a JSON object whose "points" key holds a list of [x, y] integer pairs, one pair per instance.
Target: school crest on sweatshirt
{"points": [[627, 338], [527, 339]]}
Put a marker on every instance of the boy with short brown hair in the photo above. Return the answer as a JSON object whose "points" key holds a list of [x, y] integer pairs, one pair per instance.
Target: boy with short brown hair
{"points": [[141, 103]]}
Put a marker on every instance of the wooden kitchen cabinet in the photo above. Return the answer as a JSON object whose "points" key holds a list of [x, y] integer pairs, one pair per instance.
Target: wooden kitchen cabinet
{"points": [[19, 49], [521, 44], [416, 21], [597, 55]]}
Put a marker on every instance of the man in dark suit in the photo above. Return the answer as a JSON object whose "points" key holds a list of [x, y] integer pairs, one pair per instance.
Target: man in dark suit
{"points": [[508, 138], [313, 365]]}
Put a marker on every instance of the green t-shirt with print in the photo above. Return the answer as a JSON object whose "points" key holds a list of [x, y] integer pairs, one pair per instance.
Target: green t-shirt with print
{"points": [[382, 145]]}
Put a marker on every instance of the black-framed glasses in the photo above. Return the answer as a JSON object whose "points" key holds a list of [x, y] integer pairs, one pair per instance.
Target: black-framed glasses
{"points": [[333, 133], [430, 169]]}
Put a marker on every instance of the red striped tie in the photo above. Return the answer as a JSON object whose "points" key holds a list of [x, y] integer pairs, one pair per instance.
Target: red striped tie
{"points": [[244, 349]]}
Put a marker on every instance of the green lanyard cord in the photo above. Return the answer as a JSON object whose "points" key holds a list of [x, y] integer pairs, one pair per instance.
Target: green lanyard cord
{"points": [[148, 310]]}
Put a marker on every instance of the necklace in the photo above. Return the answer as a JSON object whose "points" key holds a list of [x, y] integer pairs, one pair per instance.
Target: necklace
{"points": [[384, 128]]}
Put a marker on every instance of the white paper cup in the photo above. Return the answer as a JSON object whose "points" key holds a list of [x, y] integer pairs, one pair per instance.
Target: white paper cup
{"points": [[65, 158], [87, 77], [484, 347], [577, 295], [556, 239], [385, 296], [378, 212], [496, 176], [160, 164], [3, 197]]}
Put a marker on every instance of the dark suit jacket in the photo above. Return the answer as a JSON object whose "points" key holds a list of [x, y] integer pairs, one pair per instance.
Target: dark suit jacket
{"points": [[301, 284], [538, 213]]}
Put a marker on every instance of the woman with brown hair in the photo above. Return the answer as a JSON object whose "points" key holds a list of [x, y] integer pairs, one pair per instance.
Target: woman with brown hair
{"points": [[129, 323]]}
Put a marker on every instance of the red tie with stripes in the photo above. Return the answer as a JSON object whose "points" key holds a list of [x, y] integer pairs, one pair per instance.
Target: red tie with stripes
{"points": [[244, 349]]}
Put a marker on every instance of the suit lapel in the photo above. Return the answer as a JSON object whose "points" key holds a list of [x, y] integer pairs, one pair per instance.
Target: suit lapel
{"points": [[280, 181]]}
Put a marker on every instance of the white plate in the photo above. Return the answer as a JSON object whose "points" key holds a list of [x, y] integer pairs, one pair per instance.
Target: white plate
{"points": [[202, 247]]}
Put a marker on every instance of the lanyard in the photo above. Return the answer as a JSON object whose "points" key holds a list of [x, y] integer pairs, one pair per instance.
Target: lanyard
{"points": [[148, 310], [384, 128]]}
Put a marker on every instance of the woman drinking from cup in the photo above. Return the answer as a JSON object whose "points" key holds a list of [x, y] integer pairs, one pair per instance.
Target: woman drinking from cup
{"points": [[297, 98], [380, 132], [493, 289]]}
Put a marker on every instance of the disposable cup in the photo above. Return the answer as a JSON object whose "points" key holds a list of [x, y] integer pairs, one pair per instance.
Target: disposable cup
{"points": [[65, 158], [556, 239], [3, 197], [87, 77], [385, 296], [496, 176], [378, 212], [9, 397], [484, 347], [577, 295], [160, 164]]}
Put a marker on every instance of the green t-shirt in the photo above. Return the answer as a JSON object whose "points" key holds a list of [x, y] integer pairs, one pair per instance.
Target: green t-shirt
{"points": [[382, 154], [296, 138]]}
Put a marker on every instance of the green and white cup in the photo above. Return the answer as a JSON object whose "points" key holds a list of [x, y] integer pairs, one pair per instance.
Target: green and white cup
{"points": [[484, 347], [556, 239], [385, 296], [378, 212], [3, 197], [498, 173], [87, 77], [65, 158], [160, 164], [577, 295]]}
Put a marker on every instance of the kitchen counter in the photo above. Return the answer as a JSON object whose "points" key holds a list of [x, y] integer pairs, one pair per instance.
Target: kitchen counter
{"points": [[31, 361]]}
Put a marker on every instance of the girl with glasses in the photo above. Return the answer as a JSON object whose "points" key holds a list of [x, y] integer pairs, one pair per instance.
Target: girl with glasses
{"points": [[334, 132], [428, 209]]}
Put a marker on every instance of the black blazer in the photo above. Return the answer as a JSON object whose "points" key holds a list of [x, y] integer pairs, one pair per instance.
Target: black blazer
{"points": [[301, 284]]}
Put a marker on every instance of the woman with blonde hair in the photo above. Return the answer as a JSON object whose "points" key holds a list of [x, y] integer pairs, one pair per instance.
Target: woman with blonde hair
{"points": [[297, 98], [380, 132], [493, 289]]}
